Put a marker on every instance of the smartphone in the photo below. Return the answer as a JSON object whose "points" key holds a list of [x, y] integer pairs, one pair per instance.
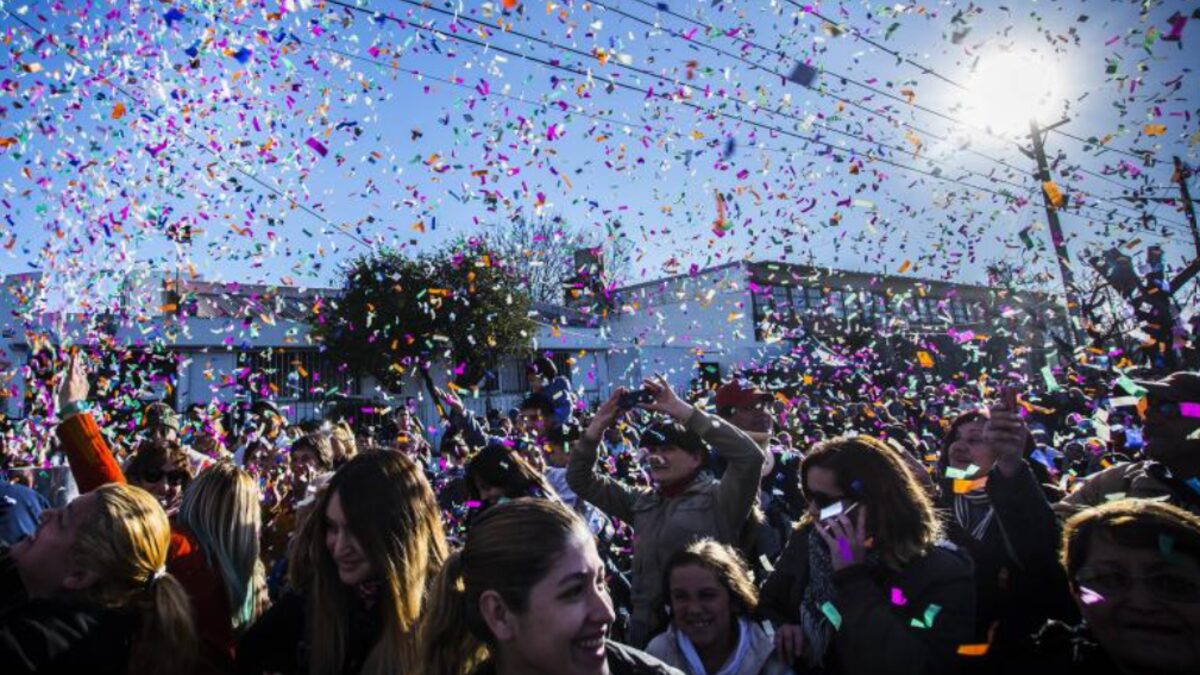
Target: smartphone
{"points": [[632, 399], [837, 509]]}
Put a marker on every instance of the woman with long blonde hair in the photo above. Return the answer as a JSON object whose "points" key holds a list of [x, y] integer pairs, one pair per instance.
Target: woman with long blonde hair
{"points": [[94, 594], [210, 551], [359, 570], [221, 512]]}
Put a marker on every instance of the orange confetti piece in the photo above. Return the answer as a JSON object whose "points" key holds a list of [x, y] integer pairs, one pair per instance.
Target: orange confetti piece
{"points": [[510, 4], [118, 111], [1154, 129], [925, 359], [973, 650], [1053, 194], [907, 265], [963, 485]]}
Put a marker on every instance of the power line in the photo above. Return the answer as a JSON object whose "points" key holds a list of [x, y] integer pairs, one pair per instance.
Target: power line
{"points": [[906, 101], [699, 108], [179, 130], [858, 34], [1146, 156]]}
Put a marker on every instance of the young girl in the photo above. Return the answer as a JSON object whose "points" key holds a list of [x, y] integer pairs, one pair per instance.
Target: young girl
{"points": [[359, 568], [710, 597], [89, 591], [527, 596]]}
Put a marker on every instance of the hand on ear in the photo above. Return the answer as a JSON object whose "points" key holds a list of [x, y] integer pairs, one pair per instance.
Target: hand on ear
{"points": [[500, 620]]}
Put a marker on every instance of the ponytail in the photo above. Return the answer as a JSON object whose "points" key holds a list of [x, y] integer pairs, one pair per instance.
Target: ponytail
{"points": [[166, 642], [126, 545], [449, 643]]}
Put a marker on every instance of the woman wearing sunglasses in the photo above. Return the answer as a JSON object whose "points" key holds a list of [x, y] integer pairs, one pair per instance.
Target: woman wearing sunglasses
{"points": [[214, 545], [161, 468], [863, 586], [1134, 568]]}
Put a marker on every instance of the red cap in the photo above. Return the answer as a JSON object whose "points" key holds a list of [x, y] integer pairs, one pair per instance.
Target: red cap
{"points": [[739, 394]]}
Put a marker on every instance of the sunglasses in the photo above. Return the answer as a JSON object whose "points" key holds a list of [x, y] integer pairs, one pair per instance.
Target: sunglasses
{"points": [[174, 478]]}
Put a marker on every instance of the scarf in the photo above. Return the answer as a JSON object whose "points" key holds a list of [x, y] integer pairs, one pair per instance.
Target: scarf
{"points": [[696, 665], [974, 512], [818, 631]]}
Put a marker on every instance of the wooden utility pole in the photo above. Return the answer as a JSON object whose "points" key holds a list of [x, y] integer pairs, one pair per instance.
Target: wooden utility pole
{"points": [[1056, 235], [1181, 175]]}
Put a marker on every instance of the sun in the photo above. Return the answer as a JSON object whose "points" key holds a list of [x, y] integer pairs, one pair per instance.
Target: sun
{"points": [[1010, 88]]}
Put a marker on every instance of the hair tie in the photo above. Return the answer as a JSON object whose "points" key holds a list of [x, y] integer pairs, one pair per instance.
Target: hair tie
{"points": [[156, 575]]}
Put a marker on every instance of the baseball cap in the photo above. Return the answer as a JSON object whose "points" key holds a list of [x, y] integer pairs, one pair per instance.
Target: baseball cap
{"points": [[739, 394]]}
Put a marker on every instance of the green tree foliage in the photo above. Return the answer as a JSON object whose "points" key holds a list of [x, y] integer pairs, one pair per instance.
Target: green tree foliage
{"points": [[459, 307]]}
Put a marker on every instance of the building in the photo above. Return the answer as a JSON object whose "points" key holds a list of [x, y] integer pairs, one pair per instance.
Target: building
{"points": [[198, 342]]}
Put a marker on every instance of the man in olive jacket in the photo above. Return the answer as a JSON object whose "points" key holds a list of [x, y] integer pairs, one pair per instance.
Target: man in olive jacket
{"points": [[684, 505]]}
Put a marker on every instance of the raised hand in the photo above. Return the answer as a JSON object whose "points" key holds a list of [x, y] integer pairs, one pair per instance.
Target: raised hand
{"points": [[846, 540], [1007, 433], [605, 416], [74, 387], [665, 401]]}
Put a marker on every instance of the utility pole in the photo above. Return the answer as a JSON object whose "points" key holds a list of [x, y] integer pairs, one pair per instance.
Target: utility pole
{"points": [[1181, 174], [1056, 235]]}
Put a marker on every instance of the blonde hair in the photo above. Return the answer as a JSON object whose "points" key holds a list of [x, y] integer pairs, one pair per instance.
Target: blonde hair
{"points": [[221, 510], [345, 447], [125, 544], [391, 510]]}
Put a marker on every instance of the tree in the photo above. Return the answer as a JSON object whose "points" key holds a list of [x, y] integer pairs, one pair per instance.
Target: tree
{"points": [[543, 250], [395, 314]]}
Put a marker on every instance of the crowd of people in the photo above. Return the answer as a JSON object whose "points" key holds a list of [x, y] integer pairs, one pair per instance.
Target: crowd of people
{"points": [[832, 528]]}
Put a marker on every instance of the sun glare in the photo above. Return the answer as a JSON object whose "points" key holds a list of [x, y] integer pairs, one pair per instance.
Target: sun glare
{"points": [[1009, 89]]}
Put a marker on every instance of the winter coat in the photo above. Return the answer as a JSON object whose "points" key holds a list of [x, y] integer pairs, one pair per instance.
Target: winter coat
{"points": [[279, 642], [759, 660], [706, 509], [1140, 480], [622, 660], [878, 608], [92, 465], [59, 636], [1019, 583]]}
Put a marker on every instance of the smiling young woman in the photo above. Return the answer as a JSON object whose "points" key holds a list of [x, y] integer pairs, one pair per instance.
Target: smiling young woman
{"points": [[359, 570], [527, 596], [710, 599]]}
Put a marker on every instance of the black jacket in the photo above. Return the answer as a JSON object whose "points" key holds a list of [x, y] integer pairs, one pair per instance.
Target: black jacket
{"points": [[622, 660], [56, 636], [279, 642], [1019, 583], [878, 635]]}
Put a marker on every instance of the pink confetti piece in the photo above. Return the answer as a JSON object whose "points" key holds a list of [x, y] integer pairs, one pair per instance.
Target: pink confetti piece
{"points": [[898, 597], [1089, 597], [1189, 410]]}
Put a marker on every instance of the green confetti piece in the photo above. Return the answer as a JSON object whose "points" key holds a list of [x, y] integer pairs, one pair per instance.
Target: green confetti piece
{"points": [[831, 613], [1130, 386], [931, 613]]}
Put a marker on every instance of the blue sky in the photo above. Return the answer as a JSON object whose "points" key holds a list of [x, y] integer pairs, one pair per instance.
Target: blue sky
{"points": [[370, 130]]}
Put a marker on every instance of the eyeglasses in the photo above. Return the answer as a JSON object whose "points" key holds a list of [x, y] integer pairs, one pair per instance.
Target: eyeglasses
{"points": [[174, 478], [1166, 586]]}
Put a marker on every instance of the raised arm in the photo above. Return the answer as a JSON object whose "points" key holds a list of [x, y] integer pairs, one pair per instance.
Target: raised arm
{"points": [[739, 486], [610, 496], [91, 461]]}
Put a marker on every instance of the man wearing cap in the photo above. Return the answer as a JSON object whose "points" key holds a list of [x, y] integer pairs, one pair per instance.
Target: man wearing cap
{"points": [[1171, 469], [748, 408]]}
